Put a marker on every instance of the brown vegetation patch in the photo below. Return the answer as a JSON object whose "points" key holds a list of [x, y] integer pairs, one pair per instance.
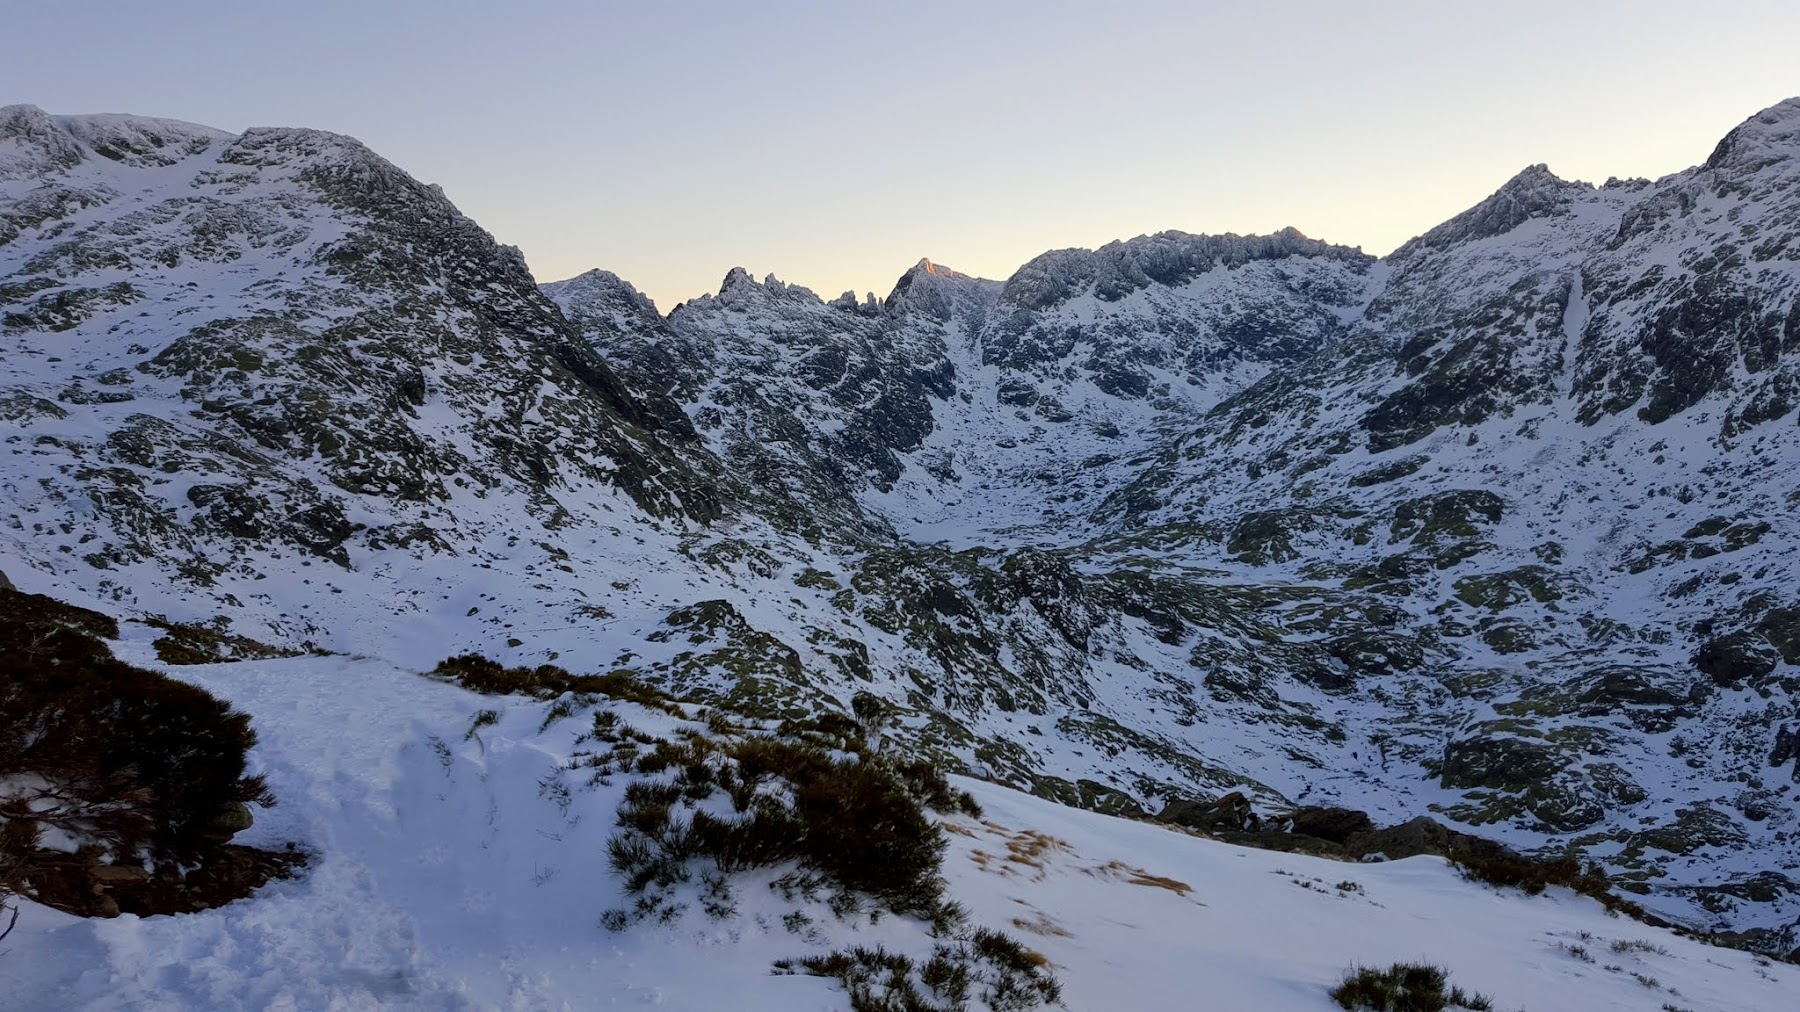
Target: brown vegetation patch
{"points": [[1029, 847], [1138, 876], [146, 773], [194, 643], [1042, 924]]}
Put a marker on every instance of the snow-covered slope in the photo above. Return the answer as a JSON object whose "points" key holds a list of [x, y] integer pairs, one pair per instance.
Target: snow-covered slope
{"points": [[1559, 447], [1499, 528], [449, 876]]}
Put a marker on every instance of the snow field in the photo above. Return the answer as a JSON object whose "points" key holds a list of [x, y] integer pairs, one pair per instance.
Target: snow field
{"points": [[448, 876]]}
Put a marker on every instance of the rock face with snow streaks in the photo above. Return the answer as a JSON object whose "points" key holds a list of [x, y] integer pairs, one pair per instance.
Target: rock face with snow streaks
{"points": [[1499, 528]]}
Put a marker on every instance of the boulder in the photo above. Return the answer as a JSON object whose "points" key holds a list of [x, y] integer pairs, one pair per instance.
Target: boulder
{"points": [[115, 874], [1097, 797], [1230, 813], [229, 822], [1334, 824], [1423, 835], [1781, 627]]}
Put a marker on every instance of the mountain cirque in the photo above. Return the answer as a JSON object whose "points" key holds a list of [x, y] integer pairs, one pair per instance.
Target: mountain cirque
{"points": [[1498, 528]]}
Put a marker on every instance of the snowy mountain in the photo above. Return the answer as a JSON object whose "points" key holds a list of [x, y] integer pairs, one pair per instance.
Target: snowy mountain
{"points": [[1496, 529], [1450, 514]]}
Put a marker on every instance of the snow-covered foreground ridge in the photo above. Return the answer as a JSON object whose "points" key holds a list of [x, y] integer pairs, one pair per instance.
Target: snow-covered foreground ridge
{"points": [[1499, 529], [449, 876]]}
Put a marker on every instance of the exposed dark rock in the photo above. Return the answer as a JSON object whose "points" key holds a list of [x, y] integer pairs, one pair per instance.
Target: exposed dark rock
{"points": [[1787, 746], [1737, 657], [1695, 827], [1781, 627], [1499, 762], [1388, 472], [1016, 392], [1621, 686], [1373, 652], [1423, 835], [1228, 813], [1335, 824], [1760, 887], [1055, 592], [1267, 536], [1090, 795], [77, 884], [1448, 514]]}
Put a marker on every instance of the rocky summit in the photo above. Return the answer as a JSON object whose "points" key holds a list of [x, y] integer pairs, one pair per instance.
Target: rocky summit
{"points": [[1499, 529]]}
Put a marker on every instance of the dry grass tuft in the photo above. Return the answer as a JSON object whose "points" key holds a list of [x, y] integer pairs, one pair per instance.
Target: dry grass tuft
{"points": [[1138, 876], [1042, 924]]}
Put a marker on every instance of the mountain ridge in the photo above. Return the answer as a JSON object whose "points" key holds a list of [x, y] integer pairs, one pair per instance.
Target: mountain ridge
{"points": [[1493, 531]]}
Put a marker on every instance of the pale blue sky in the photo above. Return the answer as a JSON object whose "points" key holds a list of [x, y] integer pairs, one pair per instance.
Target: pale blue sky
{"points": [[836, 143]]}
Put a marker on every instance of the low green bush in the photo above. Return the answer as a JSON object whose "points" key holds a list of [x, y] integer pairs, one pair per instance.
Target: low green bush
{"points": [[856, 824], [1535, 874], [984, 966], [547, 681], [1404, 987]]}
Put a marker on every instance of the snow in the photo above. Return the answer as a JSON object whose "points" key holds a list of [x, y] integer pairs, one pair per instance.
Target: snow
{"points": [[350, 741], [445, 877]]}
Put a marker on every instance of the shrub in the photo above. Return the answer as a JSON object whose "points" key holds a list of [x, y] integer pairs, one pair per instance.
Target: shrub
{"points": [[1532, 874], [1404, 987], [547, 681], [193, 643], [933, 788], [855, 824], [11, 874], [985, 966], [865, 830], [131, 759], [845, 826]]}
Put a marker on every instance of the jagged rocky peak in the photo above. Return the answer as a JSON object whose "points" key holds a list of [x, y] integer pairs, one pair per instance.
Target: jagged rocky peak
{"points": [[1766, 143], [1770, 136], [142, 141], [932, 290], [344, 169], [869, 305], [740, 289], [279, 146], [605, 293], [1535, 192], [1117, 269], [33, 144], [735, 277]]}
